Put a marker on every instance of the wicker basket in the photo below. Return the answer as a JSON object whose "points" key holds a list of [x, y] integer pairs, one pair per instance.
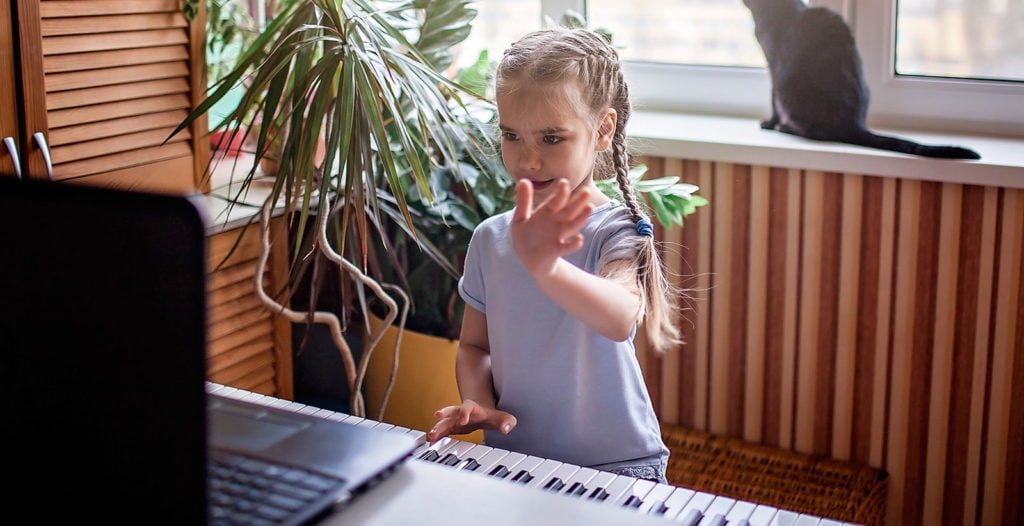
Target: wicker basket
{"points": [[784, 479]]}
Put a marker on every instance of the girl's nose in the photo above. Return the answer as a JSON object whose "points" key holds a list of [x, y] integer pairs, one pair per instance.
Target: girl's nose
{"points": [[530, 159]]}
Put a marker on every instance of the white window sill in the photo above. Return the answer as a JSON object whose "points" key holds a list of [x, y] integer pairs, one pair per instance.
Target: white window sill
{"points": [[742, 141]]}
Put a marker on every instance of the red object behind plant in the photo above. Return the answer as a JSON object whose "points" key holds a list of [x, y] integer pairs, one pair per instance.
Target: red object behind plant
{"points": [[228, 142]]}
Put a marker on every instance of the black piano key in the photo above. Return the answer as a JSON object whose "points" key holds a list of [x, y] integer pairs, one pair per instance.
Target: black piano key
{"points": [[598, 494], [522, 477], [470, 464], [554, 484], [500, 472], [577, 489], [692, 518], [449, 460], [659, 508], [633, 502], [430, 455]]}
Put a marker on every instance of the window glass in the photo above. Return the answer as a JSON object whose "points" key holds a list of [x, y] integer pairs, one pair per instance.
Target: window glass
{"points": [[980, 39], [498, 23], [697, 32]]}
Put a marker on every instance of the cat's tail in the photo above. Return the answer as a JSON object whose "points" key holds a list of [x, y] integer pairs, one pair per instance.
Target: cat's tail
{"points": [[897, 144]]}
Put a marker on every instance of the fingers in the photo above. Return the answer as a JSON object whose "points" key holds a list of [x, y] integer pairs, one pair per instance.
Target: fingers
{"points": [[506, 423], [524, 201], [572, 244], [558, 200]]}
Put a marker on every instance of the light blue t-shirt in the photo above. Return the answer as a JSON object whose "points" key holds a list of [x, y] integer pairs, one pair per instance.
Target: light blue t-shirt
{"points": [[578, 396]]}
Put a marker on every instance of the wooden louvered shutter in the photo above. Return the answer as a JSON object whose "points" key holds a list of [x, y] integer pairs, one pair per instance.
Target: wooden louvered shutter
{"points": [[107, 81], [247, 347]]}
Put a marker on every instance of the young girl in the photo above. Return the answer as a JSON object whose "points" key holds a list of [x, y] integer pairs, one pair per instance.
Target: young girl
{"points": [[556, 287]]}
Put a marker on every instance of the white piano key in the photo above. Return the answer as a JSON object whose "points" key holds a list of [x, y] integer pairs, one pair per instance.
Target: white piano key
{"points": [[436, 446], [784, 518], [399, 429], [322, 413], [212, 388], [491, 459], [583, 476], [383, 426], [511, 462], [337, 417], [698, 503], [367, 423], [657, 496], [638, 489], [281, 403], [231, 392], [562, 473], [601, 481], [618, 487], [527, 464], [829, 522], [478, 452], [353, 420], [807, 520], [541, 472], [251, 397], [308, 410], [459, 448], [741, 510], [762, 515], [418, 436], [720, 506], [677, 500]]}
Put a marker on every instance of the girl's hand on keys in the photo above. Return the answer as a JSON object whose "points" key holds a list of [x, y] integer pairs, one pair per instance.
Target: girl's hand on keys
{"points": [[468, 417], [540, 236]]}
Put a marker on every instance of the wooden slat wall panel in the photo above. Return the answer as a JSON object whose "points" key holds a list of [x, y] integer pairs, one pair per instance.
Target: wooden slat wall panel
{"points": [[61, 8], [858, 317], [112, 59], [248, 346], [118, 80], [81, 25]]}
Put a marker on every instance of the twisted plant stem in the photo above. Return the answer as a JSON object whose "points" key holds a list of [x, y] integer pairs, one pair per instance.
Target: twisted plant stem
{"points": [[353, 376]]}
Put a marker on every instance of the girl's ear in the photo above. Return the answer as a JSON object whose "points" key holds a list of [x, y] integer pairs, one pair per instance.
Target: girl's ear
{"points": [[606, 129]]}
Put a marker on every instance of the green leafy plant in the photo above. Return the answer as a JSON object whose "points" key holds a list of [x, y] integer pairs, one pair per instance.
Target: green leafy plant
{"points": [[362, 78]]}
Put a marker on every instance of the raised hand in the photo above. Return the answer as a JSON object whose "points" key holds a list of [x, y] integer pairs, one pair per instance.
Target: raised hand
{"points": [[540, 236], [468, 417]]}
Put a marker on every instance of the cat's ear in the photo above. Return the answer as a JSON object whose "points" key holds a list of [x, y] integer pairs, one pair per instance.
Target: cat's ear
{"points": [[606, 129]]}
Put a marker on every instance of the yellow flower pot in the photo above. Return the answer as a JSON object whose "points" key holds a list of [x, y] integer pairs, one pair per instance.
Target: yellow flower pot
{"points": [[425, 381]]}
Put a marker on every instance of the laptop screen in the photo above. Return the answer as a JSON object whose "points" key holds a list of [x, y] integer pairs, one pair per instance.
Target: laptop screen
{"points": [[102, 347]]}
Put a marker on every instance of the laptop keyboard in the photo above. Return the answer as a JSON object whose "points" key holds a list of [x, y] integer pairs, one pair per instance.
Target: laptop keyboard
{"points": [[250, 491]]}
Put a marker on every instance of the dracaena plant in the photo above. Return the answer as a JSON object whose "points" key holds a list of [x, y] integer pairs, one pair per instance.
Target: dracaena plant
{"points": [[361, 79]]}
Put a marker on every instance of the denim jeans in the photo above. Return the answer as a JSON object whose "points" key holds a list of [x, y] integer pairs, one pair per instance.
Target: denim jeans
{"points": [[653, 472]]}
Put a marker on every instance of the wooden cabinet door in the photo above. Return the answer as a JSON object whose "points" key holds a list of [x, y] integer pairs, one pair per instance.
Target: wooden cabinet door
{"points": [[104, 83], [10, 142]]}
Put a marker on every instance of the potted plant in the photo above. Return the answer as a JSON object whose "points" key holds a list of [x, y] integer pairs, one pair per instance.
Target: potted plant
{"points": [[365, 76]]}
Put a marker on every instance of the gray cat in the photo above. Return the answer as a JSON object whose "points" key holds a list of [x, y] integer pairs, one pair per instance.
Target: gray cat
{"points": [[818, 89]]}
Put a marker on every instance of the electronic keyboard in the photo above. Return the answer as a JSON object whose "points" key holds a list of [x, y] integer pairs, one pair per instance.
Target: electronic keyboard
{"points": [[672, 503]]}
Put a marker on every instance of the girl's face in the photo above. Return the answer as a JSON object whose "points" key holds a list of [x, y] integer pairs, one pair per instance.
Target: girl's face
{"points": [[543, 138]]}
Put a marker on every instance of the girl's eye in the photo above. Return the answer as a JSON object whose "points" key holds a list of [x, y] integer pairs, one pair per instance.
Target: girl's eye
{"points": [[509, 136], [552, 139]]}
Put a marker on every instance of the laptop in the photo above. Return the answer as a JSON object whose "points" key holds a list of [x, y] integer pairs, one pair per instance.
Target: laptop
{"points": [[103, 376]]}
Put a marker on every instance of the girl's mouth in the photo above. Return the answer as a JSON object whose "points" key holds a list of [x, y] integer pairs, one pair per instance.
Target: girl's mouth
{"points": [[540, 185]]}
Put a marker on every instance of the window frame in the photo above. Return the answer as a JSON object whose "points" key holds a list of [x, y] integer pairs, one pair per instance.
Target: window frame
{"points": [[902, 102]]}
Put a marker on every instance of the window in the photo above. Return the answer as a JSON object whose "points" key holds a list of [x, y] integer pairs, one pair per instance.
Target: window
{"points": [[957, 65]]}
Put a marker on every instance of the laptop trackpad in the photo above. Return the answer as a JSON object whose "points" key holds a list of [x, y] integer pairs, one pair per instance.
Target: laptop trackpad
{"points": [[242, 432]]}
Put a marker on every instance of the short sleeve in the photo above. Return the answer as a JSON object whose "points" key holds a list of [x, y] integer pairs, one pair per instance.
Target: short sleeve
{"points": [[617, 238], [471, 284]]}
